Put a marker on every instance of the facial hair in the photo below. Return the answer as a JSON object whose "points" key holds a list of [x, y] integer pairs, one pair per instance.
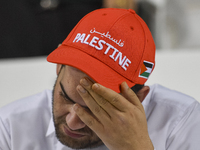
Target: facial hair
{"points": [[88, 141]]}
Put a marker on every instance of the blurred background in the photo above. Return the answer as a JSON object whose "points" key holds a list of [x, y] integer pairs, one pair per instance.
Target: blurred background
{"points": [[31, 29]]}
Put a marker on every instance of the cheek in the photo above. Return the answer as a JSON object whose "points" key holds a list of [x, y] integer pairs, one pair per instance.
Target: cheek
{"points": [[60, 107], [70, 87]]}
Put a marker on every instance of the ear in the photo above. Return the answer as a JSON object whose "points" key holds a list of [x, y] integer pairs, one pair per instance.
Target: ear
{"points": [[143, 93], [58, 67]]}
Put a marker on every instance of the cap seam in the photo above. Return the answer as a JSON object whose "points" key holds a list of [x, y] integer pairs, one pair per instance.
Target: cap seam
{"points": [[135, 76], [120, 17]]}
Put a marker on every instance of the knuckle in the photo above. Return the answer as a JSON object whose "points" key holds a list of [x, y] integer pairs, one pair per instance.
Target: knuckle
{"points": [[97, 109], [102, 101], [86, 96], [102, 92], [121, 120], [90, 122], [115, 99]]}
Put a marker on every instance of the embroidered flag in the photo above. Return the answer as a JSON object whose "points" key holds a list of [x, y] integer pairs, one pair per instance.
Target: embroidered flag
{"points": [[146, 69]]}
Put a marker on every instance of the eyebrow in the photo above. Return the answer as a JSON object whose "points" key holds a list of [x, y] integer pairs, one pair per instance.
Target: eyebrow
{"points": [[65, 94]]}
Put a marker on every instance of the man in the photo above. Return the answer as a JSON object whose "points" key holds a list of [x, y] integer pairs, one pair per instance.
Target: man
{"points": [[108, 51]]}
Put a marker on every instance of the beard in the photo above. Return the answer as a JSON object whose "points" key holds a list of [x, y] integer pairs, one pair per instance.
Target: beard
{"points": [[89, 140]]}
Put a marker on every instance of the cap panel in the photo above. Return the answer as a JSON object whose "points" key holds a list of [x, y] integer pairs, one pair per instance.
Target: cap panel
{"points": [[133, 36]]}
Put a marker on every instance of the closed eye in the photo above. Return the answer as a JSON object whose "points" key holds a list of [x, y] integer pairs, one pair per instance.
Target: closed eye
{"points": [[64, 94], [64, 97]]}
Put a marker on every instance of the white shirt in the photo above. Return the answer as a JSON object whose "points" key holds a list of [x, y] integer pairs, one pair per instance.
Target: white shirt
{"points": [[173, 122]]}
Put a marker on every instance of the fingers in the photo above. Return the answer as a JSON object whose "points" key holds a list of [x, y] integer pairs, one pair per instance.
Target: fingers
{"points": [[113, 98], [103, 101], [130, 95], [96, 109], [104, 97], [87, 118]]}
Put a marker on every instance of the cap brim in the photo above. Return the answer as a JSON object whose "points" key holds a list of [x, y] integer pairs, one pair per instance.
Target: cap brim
{"points": [[94, 68]]}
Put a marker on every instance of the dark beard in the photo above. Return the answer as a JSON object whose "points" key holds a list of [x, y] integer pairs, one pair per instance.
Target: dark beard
{"points": [[86, 142], [90, 141]]}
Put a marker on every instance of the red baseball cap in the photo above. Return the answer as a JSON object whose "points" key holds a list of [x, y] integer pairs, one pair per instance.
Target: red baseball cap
{"points": [[111, 46]]}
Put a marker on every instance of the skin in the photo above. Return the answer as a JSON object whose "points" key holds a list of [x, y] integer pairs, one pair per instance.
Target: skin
{"points": [[98, 115]]}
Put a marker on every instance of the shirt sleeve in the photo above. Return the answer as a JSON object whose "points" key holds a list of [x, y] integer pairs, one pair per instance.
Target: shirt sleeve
{"points": [[186, 134], [4, 137]]}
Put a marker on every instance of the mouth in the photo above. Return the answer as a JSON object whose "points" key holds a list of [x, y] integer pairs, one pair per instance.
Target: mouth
{"points": [[72, 134]]}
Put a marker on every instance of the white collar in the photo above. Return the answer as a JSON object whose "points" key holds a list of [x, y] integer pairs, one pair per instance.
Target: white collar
{"points": [[51, 128]]}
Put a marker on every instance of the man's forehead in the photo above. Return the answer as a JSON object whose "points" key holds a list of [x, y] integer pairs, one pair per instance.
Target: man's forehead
{"points": [[75, 69]]}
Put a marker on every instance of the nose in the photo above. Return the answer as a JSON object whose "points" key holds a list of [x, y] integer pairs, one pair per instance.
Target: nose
{"points": [[73, 121]]}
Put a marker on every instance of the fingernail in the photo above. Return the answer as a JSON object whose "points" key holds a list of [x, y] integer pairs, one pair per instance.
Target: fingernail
{"points": [[81, 89], [95, 86], [84, 82], [75, 107], [126, 85]]}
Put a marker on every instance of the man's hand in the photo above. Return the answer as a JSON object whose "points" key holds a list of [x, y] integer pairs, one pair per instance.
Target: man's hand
{"points": [[118, 120]]}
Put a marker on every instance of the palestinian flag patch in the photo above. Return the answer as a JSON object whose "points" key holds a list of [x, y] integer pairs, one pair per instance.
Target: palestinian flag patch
{"points": [[146, 69]]}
